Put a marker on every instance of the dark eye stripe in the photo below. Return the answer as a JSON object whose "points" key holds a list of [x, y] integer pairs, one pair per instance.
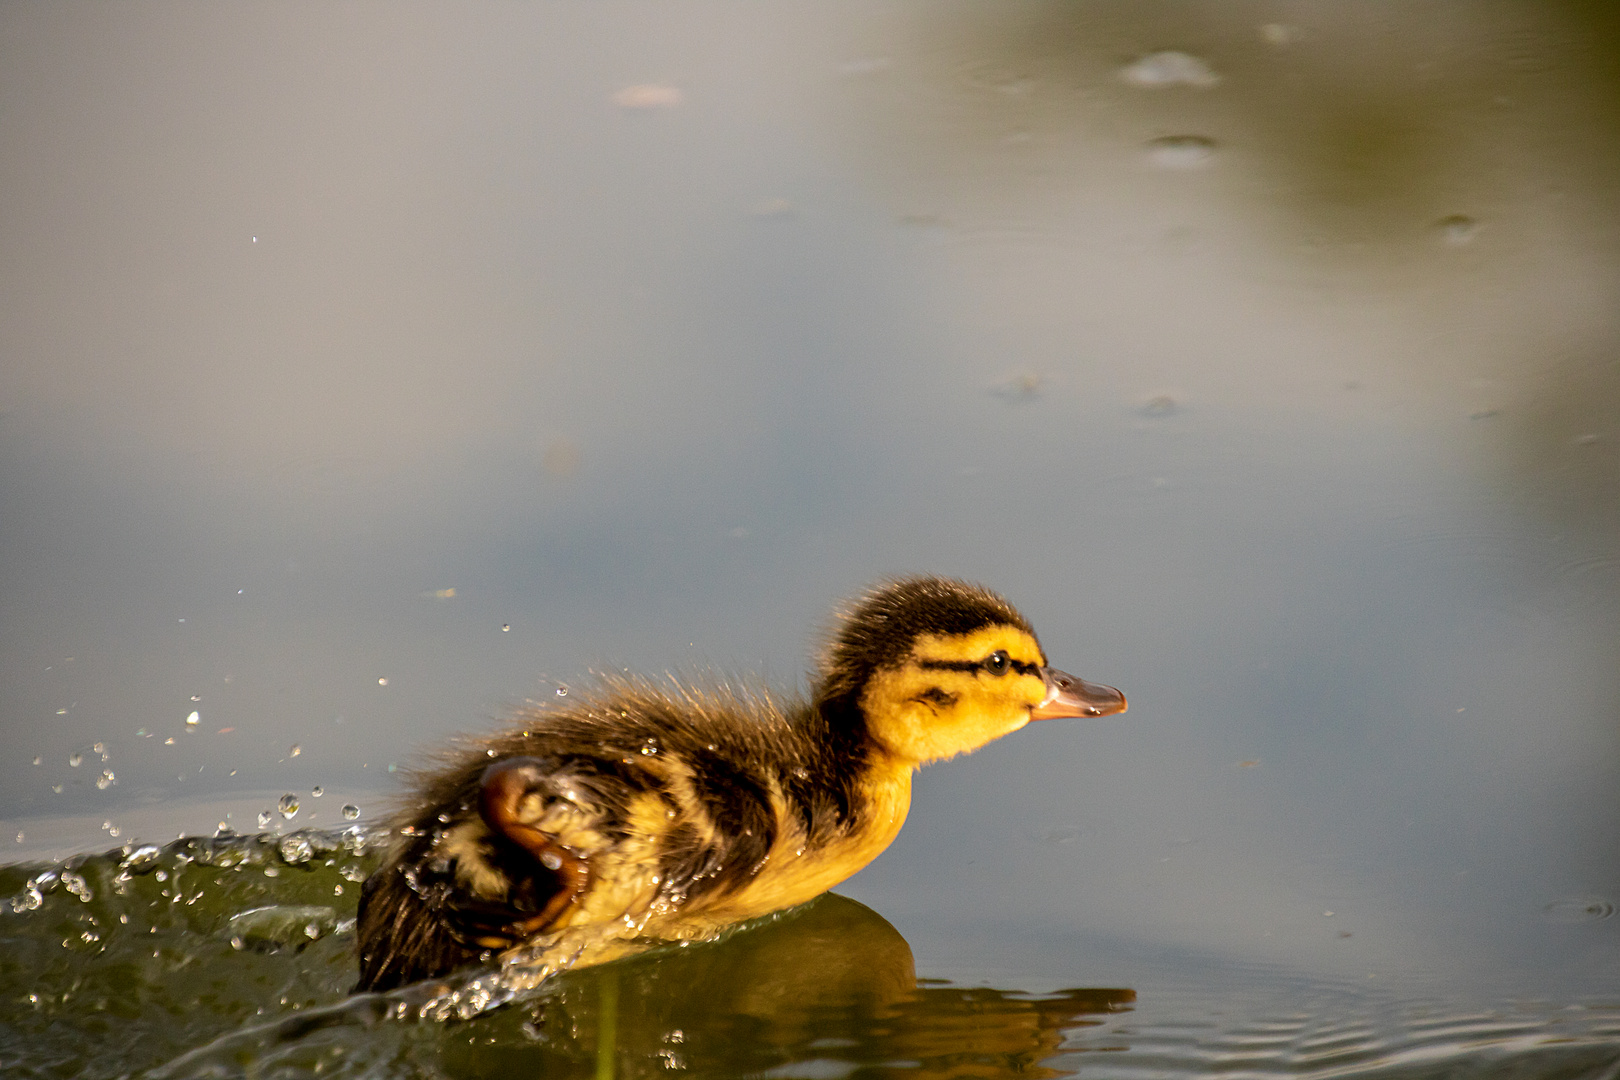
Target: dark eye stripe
{"points": [[977, 665]]}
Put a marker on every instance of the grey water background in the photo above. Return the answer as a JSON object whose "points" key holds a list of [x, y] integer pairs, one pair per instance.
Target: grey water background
{"points": [[368, 369]]}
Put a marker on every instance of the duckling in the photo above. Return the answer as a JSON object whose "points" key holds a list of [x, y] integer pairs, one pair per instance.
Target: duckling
{"points": [[645, 810]]}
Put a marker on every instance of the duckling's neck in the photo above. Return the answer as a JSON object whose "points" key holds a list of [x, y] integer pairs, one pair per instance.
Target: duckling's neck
{"points": [[877, 780]]}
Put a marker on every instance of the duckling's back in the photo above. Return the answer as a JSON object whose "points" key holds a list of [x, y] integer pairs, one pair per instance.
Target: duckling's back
{"points": [[688, 810]]}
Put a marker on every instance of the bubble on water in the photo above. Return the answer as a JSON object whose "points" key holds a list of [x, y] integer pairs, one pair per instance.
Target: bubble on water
{"points": [[288, 806], [350, 811], [562, 691], [265, 817], [75, 884], [1181, 152], [112, 830], [294, 750], [506, 628], [1457, 229], [296, 849], [30, 899], [1170, 68], [382, 682], [142, 860], [75, 759], [106, 780], [194, 719], [317, 791]]}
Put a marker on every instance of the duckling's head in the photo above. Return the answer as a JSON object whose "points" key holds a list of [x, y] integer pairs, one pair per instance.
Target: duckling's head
{"points": [[937, 667]]}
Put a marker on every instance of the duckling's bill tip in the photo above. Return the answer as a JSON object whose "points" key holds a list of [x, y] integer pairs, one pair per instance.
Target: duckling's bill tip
{"points": [[1070, 696]]}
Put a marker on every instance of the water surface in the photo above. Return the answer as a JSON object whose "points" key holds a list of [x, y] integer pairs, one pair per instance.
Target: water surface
{"points": [[369, 370]]}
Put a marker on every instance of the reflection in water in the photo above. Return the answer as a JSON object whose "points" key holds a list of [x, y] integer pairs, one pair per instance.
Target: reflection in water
{"points": [[832, 979], [232, 956]]}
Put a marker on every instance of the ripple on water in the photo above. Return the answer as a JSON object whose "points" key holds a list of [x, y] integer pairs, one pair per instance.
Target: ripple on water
{"points": [[217, 971], [1356, 1036], [1578, 910]]}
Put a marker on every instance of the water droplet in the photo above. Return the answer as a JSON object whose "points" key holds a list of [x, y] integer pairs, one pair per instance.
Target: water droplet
{"points": [[105, 780], [75, 759], [562, 691], [37, 759], [294, 750], [382, 682], [506, 628], [288, 806], [550, 860], [264, 819], [194, 719], [317, 791], [112, 830], [100, 748], [650, 747], [1181, 152], [1457, 230], [1170, 68], [350, 811], [223, 831]]}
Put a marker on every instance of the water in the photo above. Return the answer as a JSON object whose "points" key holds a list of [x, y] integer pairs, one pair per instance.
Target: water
{"points": [[366, 374]]}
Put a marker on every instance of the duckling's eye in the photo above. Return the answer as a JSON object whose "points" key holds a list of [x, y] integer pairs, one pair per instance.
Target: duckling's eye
{"points": [[998, 662]]}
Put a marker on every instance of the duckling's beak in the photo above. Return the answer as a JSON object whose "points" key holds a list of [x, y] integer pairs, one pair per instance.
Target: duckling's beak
{"points": [[1069, 696]]}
